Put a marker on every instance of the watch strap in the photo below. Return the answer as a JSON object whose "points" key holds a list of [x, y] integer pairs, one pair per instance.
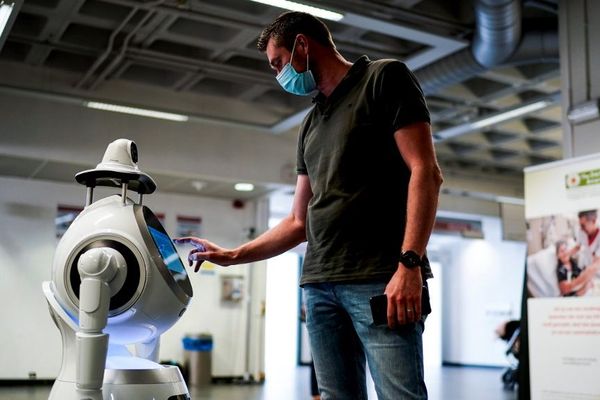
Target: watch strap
{"points": [[410, 259]]}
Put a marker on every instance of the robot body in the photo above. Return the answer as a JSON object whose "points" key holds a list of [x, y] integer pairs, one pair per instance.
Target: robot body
{"points": [[116, 281]]}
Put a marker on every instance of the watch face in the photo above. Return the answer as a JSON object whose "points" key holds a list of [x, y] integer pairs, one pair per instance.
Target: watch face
{"points": [[410, 259]]}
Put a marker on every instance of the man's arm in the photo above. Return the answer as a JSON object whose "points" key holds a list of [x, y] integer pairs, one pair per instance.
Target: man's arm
{"points": [[290, 232], [416, 147], [404, 289]]}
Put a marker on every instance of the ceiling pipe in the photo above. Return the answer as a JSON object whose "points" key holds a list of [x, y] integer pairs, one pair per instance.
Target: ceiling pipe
{"points": [[107, 51], [536, 46], [119, 57], [498, 31], [498, 38]]}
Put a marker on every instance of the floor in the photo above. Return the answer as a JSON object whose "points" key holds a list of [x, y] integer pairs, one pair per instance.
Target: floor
{"points": [[447, 383]]}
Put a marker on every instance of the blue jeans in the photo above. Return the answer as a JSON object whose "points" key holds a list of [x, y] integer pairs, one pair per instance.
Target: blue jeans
{"points": [[343, 336]]}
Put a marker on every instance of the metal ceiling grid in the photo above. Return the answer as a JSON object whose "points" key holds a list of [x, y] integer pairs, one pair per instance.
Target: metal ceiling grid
{"points": [[506, 147], [191, 49]]}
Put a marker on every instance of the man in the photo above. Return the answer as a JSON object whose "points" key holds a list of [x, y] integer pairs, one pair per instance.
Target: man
{"points": [[588, 239], [365, 201]]}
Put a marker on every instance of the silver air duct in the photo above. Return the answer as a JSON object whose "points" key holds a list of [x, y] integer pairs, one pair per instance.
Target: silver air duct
{"points": [[498, 40]]}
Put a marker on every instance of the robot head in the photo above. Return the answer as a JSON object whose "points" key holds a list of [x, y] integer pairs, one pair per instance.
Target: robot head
{"points": [[122, 155], [118, 166]]}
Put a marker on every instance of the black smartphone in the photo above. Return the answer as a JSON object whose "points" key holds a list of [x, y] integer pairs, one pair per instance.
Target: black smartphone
{"points": [[379, 306]]}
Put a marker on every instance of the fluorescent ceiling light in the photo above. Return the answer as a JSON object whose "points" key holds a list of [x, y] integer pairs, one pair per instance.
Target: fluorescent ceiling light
{"points": [[244, 187], [496, 118], [5, 11], [292, 5], [510, 200], [136, 111], [514, 113]]}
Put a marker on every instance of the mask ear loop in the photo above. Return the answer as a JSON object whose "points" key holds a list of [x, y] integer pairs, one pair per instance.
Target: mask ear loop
{"points": [[293, 48], [292, 55]]}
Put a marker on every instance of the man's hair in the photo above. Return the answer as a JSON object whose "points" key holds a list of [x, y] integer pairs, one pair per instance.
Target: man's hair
{"points": [[588, 214], [288, 25]]}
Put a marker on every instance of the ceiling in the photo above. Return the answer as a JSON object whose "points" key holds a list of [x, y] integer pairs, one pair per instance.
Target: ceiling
{"points": [[200, 53]]}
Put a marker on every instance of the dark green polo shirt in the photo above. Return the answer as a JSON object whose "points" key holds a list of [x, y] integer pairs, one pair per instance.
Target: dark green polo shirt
{"points": [[357, 215]]}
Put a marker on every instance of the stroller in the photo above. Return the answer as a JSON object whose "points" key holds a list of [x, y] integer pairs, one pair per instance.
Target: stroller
{"points": [[510, 377]]}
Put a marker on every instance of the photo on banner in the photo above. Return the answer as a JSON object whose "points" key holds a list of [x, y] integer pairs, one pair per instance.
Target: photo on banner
{"points": [[564, 255], [562, 208]]}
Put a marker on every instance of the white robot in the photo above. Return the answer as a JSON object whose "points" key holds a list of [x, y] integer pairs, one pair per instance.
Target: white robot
{"points": [[117, 285]]}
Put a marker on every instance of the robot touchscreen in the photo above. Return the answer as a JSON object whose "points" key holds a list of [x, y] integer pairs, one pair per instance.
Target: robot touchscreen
{"points": [[168, 253]]}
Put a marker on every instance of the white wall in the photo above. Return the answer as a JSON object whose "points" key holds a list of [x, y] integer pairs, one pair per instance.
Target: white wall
{"points": [[29, 341], [432, 336], [281, 325], [482, 285]]}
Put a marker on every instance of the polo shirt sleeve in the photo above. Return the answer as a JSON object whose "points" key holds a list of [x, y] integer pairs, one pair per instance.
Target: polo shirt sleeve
{"points": [[303, 131], [399, 96], [300, 164]]}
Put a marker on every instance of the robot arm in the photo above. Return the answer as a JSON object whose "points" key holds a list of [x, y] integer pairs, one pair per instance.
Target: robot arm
{"points": [[103, 272]]}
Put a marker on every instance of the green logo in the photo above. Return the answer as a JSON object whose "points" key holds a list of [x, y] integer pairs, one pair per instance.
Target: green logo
{"points": [[580, 179]]}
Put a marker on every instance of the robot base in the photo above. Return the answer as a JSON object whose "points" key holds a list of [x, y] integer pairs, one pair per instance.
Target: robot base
{"points": [[135, 384]]}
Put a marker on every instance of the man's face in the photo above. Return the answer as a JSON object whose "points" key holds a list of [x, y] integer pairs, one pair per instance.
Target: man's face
{"points": [[279, 56], [588, 224]]}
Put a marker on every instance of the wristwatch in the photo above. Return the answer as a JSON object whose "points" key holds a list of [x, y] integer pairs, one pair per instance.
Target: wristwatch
{"points": [[411, 259]]}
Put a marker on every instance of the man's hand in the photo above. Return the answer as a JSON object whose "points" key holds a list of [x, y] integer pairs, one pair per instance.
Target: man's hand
{"points": [[404, 296], [206, 251]]}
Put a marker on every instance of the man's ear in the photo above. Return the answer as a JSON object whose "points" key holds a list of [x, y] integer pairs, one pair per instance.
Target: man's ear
{"points": [[302, 43]]}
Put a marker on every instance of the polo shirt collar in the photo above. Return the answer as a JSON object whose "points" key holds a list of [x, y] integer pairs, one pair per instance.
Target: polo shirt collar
{"points": [[354, 73]]}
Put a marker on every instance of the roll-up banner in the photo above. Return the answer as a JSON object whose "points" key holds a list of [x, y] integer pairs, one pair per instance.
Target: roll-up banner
{"points": [[562, 209]]}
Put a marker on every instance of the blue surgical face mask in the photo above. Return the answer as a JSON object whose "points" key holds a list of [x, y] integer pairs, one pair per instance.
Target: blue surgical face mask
{"points": [[299, 83]]}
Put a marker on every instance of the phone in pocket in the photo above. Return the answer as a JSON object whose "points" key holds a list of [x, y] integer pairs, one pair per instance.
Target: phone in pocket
{"points": [[379, 306]]}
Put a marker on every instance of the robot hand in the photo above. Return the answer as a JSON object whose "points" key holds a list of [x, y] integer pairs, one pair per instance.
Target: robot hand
{"points": [[103, 272]]}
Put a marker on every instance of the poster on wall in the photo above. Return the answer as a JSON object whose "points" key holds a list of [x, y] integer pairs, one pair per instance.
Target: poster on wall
{"points": [[562, 208], [232, 289], [188, 226], [65, 215]]}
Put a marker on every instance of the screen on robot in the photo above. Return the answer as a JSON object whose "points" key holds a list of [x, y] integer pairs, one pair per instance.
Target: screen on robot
{"points": [[168, 253]]}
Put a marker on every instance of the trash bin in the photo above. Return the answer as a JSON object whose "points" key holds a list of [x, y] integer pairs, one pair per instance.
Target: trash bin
{"points": [[198, 358]]}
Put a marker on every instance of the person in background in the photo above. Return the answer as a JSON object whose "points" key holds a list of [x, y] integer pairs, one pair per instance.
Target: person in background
{"points": [[572, 280], [510, 332], [506, 330], [365, 200]]}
